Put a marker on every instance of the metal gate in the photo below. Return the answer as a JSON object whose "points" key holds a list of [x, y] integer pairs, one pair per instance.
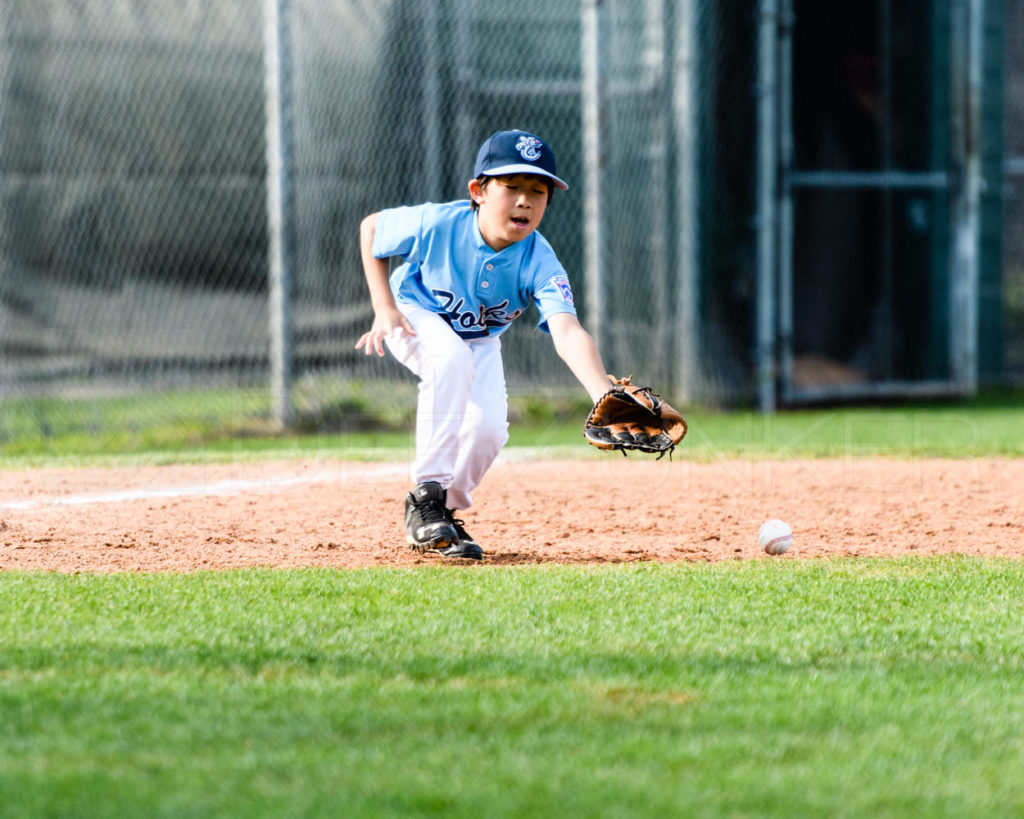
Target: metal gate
{"points": [[869, 229]]}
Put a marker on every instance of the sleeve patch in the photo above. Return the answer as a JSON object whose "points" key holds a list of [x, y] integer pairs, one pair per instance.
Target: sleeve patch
{"points": [[562, 283]]}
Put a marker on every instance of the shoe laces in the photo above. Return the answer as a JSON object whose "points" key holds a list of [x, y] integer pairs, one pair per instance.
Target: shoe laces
{"points": [[430, 511]]}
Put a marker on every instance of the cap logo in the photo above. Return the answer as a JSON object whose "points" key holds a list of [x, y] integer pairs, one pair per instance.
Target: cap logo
{"points": [[529, 147]]}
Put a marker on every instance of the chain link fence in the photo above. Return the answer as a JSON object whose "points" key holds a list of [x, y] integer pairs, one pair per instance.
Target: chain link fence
{"points": [[134, 243], [391, 109], [132, 226], [133, 216]]}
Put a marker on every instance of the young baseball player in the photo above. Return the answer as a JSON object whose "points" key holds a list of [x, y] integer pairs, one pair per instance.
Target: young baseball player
{"points": [[469, 269]]}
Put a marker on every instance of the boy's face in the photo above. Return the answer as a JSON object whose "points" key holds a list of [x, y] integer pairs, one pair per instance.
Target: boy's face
{"points": [[510, 207]]}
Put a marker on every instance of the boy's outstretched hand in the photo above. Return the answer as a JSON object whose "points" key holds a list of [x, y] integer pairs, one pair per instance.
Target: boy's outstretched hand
{"points": [[385, 322]]}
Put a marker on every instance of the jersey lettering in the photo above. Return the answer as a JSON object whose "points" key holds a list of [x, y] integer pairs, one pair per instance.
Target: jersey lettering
{"points": [[470, 324]]}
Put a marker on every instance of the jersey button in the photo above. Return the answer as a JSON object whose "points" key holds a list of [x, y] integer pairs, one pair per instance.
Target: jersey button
{"points": [[485, 285], [490, 267]]}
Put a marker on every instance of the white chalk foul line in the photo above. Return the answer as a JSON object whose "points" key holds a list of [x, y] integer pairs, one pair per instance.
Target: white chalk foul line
{"points": [[228, 487], [235, 487]]}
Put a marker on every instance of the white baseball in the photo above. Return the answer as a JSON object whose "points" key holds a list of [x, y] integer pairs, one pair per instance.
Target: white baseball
{"points": [[775, 536]]}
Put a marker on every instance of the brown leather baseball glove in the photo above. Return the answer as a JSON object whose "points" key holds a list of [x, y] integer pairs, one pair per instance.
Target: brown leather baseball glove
{"points": [[630, 417]]}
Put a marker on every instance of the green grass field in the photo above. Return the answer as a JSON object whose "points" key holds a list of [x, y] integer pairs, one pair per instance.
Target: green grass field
{"points": [[188, 426], [797, 688], [750, 688]]}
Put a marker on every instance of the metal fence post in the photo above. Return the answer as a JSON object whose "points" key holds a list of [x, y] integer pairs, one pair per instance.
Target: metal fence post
{"points": [[280, 213], [767, 140], [593, 91], [433, 128], [787, 161], [966, 22], [686, 117]]}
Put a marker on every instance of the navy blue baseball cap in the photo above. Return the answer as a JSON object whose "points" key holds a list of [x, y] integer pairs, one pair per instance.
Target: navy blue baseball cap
{"points": [[508, 152]]}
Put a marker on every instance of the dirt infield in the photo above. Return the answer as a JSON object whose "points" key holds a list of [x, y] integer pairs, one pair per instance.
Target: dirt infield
{"points": [[610, 509]]}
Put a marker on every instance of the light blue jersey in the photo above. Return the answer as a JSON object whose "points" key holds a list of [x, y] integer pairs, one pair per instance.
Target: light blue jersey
{"points": [[449, 269]]}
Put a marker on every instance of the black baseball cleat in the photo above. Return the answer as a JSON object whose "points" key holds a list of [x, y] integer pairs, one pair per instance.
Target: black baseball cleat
{"points": [[427, 523], [465, 546]]}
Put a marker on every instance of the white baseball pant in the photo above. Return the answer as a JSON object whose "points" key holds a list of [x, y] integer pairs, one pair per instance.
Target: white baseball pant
{"points": [[462, 408]]}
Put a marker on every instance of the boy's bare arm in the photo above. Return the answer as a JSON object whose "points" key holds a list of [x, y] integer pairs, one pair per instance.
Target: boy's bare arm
{"points": [[577, 349], [386, 315]]}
